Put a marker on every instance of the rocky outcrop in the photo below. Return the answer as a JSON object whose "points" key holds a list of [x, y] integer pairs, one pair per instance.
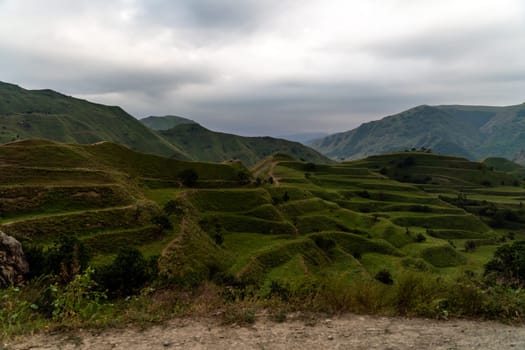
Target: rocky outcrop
{"points": [[13, 263]]}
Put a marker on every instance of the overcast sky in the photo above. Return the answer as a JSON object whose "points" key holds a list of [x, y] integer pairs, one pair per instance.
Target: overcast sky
{"points": [[268, 66]]}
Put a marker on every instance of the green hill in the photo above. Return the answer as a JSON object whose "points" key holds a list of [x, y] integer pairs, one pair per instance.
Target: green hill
{"points": [[98, 193], [206, 145], [50, 115], [291, 229], [505, 165], [165, 122], [473, 132]]}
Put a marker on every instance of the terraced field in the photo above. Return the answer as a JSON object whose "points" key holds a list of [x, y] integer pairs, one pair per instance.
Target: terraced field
{"points": [[285, 224], [349, 219], [94, 192]]}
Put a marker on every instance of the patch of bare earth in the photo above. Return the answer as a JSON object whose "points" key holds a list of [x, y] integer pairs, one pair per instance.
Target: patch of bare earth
{"points": [[345, 332]]}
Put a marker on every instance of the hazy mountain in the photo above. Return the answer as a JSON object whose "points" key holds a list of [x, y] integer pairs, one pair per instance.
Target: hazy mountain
{"points": [[50, 115], [304, 137], [165, 122], [469, 131], [206, 145]]}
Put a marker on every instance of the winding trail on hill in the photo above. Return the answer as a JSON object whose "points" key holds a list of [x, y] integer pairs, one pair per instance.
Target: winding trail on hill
{"points": [[272, 175], [299, 332]]}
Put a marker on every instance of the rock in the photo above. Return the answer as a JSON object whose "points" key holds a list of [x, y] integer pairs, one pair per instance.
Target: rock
{"points": [[13, 263]]}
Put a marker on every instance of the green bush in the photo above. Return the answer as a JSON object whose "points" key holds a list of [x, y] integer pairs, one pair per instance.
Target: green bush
{"points": [[126, 275], [384, 276], [508, 264], [65, 259], [188, 177], [79, 300]]}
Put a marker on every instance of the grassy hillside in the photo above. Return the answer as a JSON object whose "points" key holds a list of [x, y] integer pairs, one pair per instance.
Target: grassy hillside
{"points": [[406, 233], [165, 122], [351, 220], [94, 192], [473, 132], [50, 115], [505, 165], [206, 145]]}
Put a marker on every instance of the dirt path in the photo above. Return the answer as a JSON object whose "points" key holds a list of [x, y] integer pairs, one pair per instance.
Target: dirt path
{"points": [[347, 332], [272, 175]]}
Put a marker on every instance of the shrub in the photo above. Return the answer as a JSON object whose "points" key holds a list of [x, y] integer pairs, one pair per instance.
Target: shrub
{"points": [[508, 264], [188, 177], [67, 258], [310, 167], [420, 238], [77, 300], [238, 314], [172, 207], [162, 221], [470, 246], [15, 311], [243, 177], [126, 275], [384, 276]]}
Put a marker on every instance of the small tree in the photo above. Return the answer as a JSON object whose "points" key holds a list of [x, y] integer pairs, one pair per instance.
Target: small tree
{"points": [[126, 274], [171, 208], [188, 177], [470, 246], [67, 258], [163, 222], [384, 276], [508, 264]]}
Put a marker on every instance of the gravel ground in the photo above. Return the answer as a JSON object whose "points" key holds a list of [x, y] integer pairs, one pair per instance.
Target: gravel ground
{"points": [[345, 332]]}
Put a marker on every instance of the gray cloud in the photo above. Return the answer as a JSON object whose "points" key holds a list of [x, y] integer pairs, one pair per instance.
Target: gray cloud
{"points": [[268, 67]]}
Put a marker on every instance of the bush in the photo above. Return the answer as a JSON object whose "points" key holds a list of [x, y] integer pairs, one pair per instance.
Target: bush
{"points": [[384, 276], [188, 177], [508, 264], [310, 167], [77, 300], [163, 222], [172, 208], [67, 258], [126, 275], [420, 238], [243, 177], [470, 246]]}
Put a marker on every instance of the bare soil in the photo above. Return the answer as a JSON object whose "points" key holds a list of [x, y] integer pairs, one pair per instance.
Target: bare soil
{"points": [[299, 332]]}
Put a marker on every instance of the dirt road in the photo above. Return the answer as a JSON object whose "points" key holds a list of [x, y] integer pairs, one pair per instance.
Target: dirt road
{"points": [[346, 332]]}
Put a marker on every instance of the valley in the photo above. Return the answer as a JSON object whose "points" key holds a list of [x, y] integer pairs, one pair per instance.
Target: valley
{"points": [[344, 237]]}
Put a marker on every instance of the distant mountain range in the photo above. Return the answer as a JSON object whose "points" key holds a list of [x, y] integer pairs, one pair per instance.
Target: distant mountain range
{"points": [[474, 132], [46, 114], [304, 137], [206, 145]]}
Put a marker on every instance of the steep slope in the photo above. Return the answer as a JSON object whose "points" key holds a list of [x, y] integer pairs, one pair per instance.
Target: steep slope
{"points": [[94, 192], [423, 126], [468, 131], [206, 145], [165, 122], [48, 114], [504, 165]]}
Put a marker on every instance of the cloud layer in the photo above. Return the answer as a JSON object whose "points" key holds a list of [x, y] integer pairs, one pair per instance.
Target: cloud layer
{"points": [[268, 67]]}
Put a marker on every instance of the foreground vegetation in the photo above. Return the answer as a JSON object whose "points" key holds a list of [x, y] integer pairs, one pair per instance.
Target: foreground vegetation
{"points": [[126, 237]]}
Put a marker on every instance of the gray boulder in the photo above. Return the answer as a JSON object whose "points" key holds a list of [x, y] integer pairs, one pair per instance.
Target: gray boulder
{"points": [[13, 263]]}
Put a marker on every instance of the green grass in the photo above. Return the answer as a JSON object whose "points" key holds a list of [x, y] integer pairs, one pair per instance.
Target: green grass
{"points": [[343, 221]]}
